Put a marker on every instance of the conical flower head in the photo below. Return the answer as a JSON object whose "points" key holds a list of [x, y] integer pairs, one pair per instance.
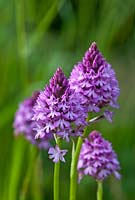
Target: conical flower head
{"points": [[58, 84], [23, 123], [94, 79], [57, 109], [97, 158]]}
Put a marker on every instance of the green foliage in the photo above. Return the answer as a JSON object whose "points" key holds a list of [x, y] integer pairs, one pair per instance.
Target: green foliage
{"points": [[35, 38]]}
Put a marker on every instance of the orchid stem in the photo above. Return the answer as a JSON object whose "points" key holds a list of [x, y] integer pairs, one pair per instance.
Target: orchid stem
{"points": [[56, 176], [100, 191], [33, 157], [73, 170]]}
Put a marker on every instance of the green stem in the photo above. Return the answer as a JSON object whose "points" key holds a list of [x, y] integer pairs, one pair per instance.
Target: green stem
{"points": [[100, 191], [56, 176], [33, 156], [16, 167], [73, 170]]}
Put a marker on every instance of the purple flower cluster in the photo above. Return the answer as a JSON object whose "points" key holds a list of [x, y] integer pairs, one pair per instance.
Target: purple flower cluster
{"points": [[58, 110], [61, 110], [95, 80], [97, 158], [23, 123]]}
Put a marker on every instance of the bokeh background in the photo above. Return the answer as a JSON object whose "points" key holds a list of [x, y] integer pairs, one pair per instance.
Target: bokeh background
{"points": [[37, 36]]}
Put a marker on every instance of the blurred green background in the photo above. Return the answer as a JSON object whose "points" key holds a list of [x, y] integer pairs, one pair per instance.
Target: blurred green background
{"points": [[37, 36]]}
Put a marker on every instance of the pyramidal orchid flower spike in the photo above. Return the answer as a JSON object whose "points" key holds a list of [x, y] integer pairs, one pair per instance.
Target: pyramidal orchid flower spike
{"points": [[94, 79], [23, 123], [58, 110], [97, 158]]}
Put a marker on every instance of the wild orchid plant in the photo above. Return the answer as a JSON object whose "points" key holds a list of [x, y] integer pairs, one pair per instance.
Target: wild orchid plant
{"points": [[62, 112]]}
